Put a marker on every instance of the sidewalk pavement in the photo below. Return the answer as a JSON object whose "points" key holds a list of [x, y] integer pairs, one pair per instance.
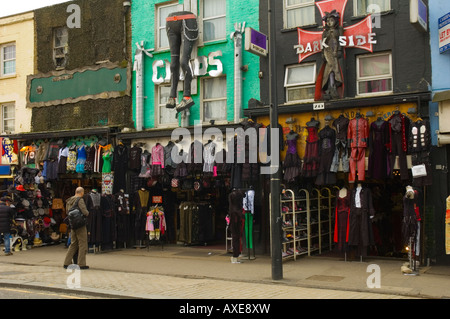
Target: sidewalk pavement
{"points": [[202, 272]]}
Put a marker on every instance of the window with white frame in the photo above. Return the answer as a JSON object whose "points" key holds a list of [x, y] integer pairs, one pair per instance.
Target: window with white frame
{"points": [[8, 117], [364, 7], [166, 117], [8, 59], [299, 82], [374, 74], [214, 20], [298, 13], [60, 47], [161, 14], [214, 99]]}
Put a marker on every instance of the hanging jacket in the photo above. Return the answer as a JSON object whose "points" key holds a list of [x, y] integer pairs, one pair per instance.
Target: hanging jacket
{"points": [[358, 132]]}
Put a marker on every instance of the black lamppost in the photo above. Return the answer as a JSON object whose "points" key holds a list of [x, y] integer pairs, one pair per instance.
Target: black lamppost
{"points": [[275, 217]]}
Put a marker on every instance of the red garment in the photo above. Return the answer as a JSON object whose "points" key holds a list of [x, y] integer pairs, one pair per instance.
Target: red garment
{"points": [[358, 136], [357, 163], [358, 132], [158, 155]]}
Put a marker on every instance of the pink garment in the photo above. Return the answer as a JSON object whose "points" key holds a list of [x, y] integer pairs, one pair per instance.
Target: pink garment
{"points": [[158, 155]]}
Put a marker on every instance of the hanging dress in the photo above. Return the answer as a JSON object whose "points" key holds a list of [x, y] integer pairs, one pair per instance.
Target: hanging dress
{"points": [[72, 159], [311, 158], [378, 154], [81, 159], [292, 161], [341, 226], [90, 158], [327, 145]]}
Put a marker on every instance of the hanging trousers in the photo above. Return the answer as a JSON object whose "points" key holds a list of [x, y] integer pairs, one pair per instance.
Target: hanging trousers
{"points": [[181, 31], [357, 163], [397, 150], [78, 245], [249, 230]]}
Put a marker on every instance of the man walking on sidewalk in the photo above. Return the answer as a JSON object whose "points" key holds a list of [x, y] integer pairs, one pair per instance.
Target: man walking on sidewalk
{"points": [[78, 236], [6, 221]]}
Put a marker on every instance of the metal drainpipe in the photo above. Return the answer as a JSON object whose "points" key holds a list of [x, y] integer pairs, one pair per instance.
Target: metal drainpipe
{"points": [[237, 35], [139, 68]]}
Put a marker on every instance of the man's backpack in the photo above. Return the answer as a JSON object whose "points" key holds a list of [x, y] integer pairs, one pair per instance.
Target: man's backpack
{"points": [[76, 217]]}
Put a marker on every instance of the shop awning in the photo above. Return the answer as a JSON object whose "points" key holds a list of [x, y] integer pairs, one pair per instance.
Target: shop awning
{"points": [[340, 104], [60, 134], [156, 133], [441, 96]]}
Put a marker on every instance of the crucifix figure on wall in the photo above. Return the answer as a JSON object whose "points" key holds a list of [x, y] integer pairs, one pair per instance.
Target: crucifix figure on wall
{"points": [[182, 32]]}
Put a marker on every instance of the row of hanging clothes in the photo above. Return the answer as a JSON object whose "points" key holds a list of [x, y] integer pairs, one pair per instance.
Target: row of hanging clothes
{"points": [[181, 159], [344, 142], [59, 157], [197, 223]]}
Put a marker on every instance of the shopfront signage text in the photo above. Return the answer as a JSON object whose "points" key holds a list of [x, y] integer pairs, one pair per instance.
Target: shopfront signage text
{"points": [[199, 67], [359, 35], [256, 42], [444, 33], [318, 106]]}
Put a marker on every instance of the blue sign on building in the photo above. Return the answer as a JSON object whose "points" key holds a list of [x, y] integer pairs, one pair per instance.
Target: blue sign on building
{"points": [[444, 33]]}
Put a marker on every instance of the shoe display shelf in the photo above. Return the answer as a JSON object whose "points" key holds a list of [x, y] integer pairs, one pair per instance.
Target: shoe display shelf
{"points": [[307, 221], [322, 219], [294, 211]]}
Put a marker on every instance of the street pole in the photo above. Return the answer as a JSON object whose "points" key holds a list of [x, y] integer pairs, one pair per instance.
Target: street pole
{"points": [[277, 263]]}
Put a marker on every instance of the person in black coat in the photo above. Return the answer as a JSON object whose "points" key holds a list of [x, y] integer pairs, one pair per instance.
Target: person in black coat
{"points": [[235, 200], [6, 220]]}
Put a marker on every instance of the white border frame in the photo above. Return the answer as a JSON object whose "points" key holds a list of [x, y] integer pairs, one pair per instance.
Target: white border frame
{"points": [[202, 100], [2, 47], [295, 6], [374, 78], [297, 85]]}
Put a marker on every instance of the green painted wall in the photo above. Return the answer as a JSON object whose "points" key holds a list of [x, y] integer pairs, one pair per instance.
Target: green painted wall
{"points": [[238, 11]]}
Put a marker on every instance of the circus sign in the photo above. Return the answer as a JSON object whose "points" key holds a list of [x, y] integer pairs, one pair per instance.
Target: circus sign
{"points": [[359, 35]]}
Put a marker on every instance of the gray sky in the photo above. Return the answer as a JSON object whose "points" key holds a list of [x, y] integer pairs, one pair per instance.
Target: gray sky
{"points": [[9, 7]]}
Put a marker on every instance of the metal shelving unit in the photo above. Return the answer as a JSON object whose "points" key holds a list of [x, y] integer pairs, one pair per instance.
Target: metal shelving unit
{"points": [[307, 221]]}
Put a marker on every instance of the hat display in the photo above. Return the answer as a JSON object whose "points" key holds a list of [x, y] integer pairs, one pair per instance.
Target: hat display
{"points": [[291, 120], [6, 199]]}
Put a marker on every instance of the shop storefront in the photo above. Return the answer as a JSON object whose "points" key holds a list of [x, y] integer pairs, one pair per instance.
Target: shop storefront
{"points": [[318, 155]]}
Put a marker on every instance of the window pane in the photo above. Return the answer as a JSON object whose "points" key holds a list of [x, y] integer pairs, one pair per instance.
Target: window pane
{"points": [[214, 8], [375, 86], [61, 37], [300, 93], [8, 111], [300, 16], [362, 6], [9, 125], [164, 92], [9, 52], [214, 88], [163, 40], [300, 75], [293, 2], [8, 117], [9, 67], [214, 29], [374, 66], [163, 12], [167, 116], [215, 110]]}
